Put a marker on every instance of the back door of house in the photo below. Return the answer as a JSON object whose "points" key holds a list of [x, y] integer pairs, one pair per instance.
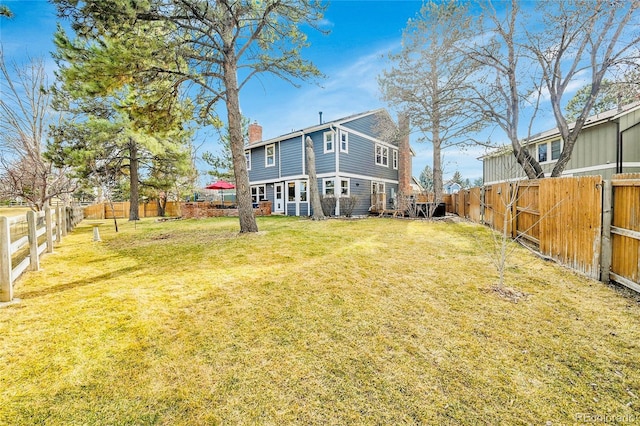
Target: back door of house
{"points": [[279, 198]]}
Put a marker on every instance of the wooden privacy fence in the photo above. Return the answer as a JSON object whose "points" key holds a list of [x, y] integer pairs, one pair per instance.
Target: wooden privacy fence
{"points": [[585, 223], [621, 242], [121, 210], [23, 240]]}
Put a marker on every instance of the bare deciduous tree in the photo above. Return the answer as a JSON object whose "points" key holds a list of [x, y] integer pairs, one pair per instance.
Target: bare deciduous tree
{"points": [[499, 95], [430, 79], [582, 36], [25, 116], [521, 68]]}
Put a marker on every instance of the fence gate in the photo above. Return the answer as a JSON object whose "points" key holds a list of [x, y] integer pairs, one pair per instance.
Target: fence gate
{"points": [[527, 211], [625, 230]]}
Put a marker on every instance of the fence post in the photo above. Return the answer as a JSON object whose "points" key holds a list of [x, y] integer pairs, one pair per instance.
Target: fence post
{"points": [[6, 286], [482, 205], [607, 216], [33, 240], [49, 225], [58, 223], [514, 194], [65, 222]]}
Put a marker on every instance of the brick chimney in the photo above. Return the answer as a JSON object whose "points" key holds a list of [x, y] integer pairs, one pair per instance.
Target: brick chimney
{"points": [[255, 133], [404, 156]]}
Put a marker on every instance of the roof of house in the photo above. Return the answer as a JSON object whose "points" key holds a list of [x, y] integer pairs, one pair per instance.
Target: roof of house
{"points": [[591, 121], [321, 126]]}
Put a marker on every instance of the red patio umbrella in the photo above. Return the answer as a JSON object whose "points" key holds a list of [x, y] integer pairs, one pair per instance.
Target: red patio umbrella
{"points": [[221, 185]]}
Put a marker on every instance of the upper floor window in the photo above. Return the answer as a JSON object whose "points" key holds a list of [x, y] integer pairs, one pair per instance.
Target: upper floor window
{"points": [[344, 142], [247, 156], [270, 155], [382, 155], [395, 159], [549, 151], [328, 142]]}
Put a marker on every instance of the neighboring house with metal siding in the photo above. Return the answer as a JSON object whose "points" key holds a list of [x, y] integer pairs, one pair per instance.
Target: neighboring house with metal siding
{"points": [[609, 143], [352, 158]]}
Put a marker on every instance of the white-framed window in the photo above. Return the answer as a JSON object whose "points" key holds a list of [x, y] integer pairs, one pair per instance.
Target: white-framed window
{"points": [[270, 155], [344, 188], [394, 160], [329, 187], [382, 155], [303, 190], [257, 193], [344, 142], [556, 149], [377, 187], [329, 143], [247, 156], [549, 151]]}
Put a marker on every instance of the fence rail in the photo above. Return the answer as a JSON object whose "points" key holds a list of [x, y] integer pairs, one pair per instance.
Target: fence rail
{"points": [[23, 240], [585, 223], [120, 210]]}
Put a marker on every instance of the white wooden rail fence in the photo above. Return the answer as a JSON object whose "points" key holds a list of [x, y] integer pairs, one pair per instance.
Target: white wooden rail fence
{"points": [[51, 223]]}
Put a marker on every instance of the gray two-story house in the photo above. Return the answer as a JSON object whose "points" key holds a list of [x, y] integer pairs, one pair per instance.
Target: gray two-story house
{"points": [[352, 156]]}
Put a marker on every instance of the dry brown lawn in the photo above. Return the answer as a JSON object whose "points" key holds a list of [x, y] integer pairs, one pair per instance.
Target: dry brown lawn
{"points": [[375, 321]]}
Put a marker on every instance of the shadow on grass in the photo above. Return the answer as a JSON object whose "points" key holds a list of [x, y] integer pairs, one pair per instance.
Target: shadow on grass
{"points": [[76, 284]]}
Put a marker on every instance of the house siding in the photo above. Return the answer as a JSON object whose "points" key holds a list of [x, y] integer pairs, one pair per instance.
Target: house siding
{"points": [[325, 163], [371, 124], [291, 156], [357, 165], [258, 170]]}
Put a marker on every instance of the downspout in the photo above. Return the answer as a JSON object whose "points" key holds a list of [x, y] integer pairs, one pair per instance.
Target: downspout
{"points": [[336, 183], [618, 148], [304, 161], [619, 157]]}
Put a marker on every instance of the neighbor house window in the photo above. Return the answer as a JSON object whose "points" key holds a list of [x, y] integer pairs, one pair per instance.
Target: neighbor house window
{"points": [[328, 142], [549, 151], [382, 155], [395, 160], [257, 193], [542, 152], [270, 155], [344, 142], [329, 187], [556, 149], [247, 156]]}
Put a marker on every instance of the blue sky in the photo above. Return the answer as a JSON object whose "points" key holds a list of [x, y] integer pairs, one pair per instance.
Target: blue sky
{"points": [[351, 57]]}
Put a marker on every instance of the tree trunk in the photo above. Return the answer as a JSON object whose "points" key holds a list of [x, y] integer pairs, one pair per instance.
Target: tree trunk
{"points": [[133, 180], [529, 164], [437, 167], [314, 194], [162, 203], [243, 191]]}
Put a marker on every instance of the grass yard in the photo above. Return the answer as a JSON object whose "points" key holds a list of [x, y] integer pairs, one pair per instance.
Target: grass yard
{"points": [[14, 211], [375, 321]]}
